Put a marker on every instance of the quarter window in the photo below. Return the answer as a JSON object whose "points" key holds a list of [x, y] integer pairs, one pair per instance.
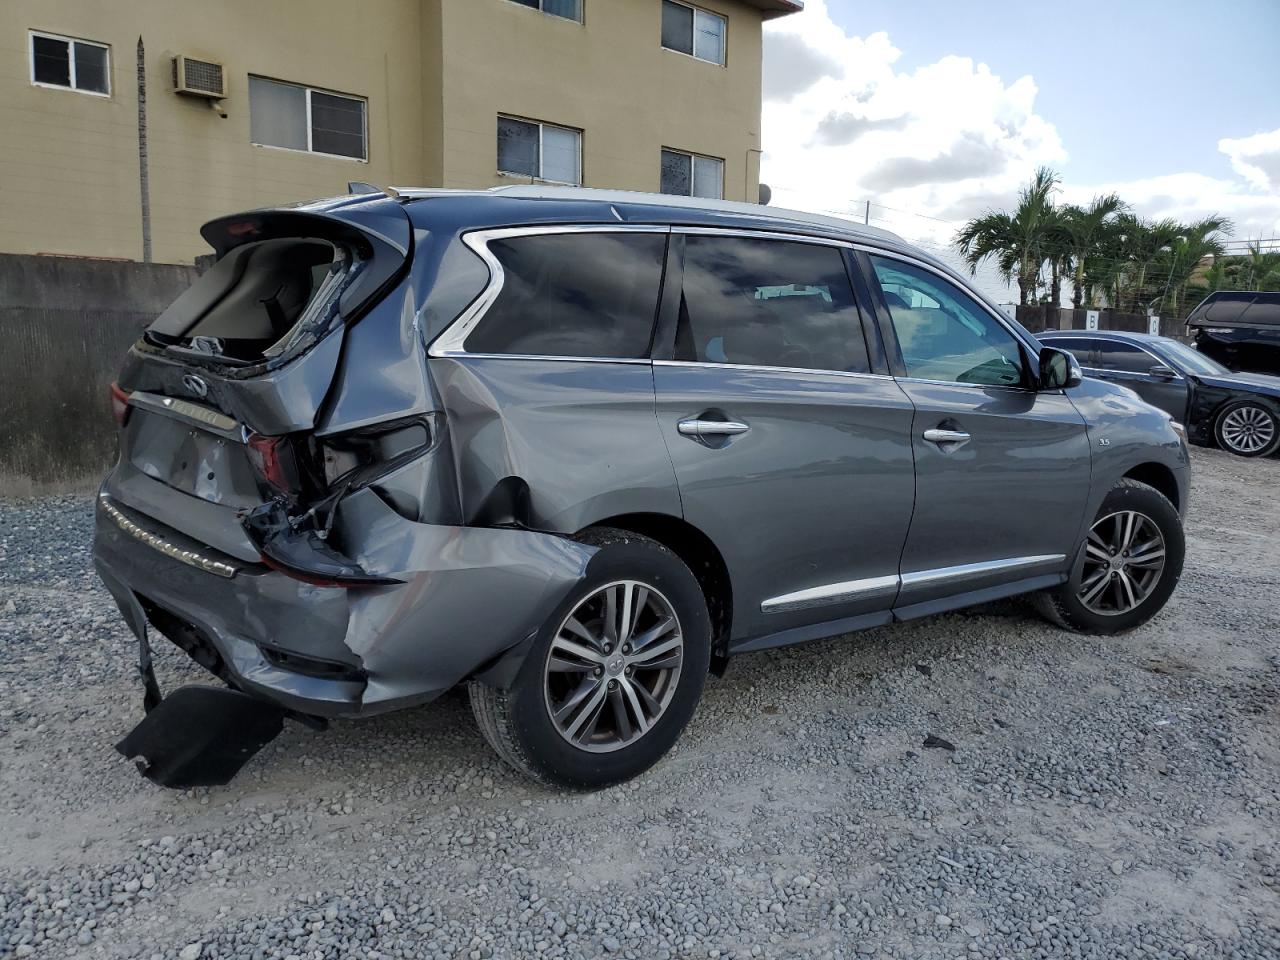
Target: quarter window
{"points": [[569, 9], [691, 175], [74, 64], [943, 332], [688, 29], [302, 118], [771, 303], [540, 151], [574, 295]]}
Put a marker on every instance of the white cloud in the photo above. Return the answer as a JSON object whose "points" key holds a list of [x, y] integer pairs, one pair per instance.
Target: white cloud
{"points": [[842, 125]]}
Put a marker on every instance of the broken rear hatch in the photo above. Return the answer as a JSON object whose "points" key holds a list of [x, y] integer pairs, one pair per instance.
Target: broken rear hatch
{"points": [[219, 397]]}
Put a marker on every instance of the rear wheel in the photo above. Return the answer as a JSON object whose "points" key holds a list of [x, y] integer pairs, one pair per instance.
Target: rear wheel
{"points": [[1247, 428], [614, 675], [1126, 568]]}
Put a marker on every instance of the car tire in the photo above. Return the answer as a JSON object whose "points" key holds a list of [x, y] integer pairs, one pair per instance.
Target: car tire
{"points": [[1075, 606], [534, 725], [1247, 428]]}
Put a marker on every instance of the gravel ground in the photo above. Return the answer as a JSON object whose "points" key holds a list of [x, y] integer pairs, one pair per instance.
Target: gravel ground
{"points": [[1106, 798]]}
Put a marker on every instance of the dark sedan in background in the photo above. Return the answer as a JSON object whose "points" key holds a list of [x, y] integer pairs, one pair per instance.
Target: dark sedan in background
{"points": [[1240, 412]]}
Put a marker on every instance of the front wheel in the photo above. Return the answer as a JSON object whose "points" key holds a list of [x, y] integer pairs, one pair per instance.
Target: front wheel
{"points": [[1247, 428], [1126, 568], [613, 676]]}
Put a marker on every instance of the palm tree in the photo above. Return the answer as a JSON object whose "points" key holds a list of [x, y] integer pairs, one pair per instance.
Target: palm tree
{"points": [[1085, 229], [1016, 241], [1141, 245], [1195, 242], [1261, 270]]}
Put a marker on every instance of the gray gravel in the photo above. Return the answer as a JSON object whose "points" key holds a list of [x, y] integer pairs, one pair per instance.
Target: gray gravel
{"points": [[1106, 798]]}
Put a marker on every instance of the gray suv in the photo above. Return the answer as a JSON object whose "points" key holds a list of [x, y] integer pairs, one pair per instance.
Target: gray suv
{"points": [[574, 449]]}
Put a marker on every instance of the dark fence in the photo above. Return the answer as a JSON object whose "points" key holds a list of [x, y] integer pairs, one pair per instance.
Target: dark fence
{"points": [[65, 324], [1038, 318]]}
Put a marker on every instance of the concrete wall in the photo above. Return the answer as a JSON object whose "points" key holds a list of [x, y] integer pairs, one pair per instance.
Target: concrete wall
{"points": [[65, 325], [70, 159], [609, 77]]}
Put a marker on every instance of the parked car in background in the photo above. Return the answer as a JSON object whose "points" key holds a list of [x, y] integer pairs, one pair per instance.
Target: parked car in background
{"points": [[1239, 329], [575, 448], [1239, 412]]}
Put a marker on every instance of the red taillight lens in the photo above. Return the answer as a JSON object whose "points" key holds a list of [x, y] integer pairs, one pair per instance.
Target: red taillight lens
{"points": [[119, 403], [273, 459]]}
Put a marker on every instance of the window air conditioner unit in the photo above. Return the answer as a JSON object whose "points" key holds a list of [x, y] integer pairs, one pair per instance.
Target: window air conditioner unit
{"points": [[199, 78]]}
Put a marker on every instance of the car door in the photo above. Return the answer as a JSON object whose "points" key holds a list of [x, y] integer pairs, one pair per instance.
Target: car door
{"points": [[791, 453], [1002, 469], [1131, 366]]}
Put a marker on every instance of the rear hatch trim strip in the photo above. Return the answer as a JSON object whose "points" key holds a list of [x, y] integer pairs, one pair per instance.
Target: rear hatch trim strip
{"points": [[190, 557], [193, 413]]}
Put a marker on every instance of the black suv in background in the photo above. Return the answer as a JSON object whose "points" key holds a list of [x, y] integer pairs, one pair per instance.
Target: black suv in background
{"points": [[574, 449], [1239, 329]]}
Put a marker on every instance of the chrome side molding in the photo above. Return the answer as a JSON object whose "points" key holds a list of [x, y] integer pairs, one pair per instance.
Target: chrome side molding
{"points": [[877, 586]]}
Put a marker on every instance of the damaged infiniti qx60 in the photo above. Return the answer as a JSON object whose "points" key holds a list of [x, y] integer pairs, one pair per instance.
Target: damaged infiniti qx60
{"points": [[573, 450]]}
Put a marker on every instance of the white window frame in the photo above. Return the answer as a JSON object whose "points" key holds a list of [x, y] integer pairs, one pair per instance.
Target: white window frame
{"points": [[71, 62], [541, 8], [693, 41], [364, 121], [693, 160], [541, 125]]}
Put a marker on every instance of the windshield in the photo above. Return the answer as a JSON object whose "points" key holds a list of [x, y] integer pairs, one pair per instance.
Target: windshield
{"points": [[1190, 359]]}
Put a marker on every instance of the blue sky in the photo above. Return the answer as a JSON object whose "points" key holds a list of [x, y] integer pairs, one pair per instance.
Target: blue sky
{"points": [[938, 111], [1136, 88]]}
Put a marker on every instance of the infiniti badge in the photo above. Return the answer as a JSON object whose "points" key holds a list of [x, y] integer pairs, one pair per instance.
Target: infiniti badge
{"points": [[195, 385]]}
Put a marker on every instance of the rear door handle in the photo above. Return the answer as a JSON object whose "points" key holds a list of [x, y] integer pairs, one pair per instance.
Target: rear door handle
{"points": [[711, 428], [937, 435]]}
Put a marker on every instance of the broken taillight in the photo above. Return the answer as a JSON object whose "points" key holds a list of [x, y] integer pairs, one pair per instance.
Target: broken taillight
{"points": [[272, 458], [119, 403]]}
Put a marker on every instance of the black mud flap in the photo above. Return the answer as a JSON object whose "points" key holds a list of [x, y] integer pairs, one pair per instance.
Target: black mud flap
{"points": [[201, 736]]}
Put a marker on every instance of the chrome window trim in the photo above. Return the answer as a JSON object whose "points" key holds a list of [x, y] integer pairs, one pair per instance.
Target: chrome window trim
{"points": [[193, 413], [753, 234], [765, 368], [450, 341], [966, 571], [1157, 361], [830, 593]]}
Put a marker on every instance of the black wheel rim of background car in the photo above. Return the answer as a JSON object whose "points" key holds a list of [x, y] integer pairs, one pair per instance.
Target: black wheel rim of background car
{"points": [[1123, 561], [613, 666]]}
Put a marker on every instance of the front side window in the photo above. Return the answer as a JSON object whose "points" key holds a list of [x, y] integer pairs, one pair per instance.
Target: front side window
{"points": [[74, 64], [691, 175], [943, 332], [688, 29], [574, 295], [569, 9], [1124, 357], [540, 151], [772, 303], [301, 118]]}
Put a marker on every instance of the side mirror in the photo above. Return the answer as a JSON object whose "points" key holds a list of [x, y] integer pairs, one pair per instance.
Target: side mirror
{"points": [[1163, 372], [1058, 370]]}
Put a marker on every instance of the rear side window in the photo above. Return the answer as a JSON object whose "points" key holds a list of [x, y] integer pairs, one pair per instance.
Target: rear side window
{"points": [[1124, 357], [773, 303], [574, 295], [1082, 348]]}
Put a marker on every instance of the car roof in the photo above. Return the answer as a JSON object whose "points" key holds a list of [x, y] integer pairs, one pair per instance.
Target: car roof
{"points": [[636, 207]]}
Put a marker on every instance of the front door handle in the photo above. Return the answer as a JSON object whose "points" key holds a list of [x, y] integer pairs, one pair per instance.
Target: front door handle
{"points": [[937, 435], [711, 428]]}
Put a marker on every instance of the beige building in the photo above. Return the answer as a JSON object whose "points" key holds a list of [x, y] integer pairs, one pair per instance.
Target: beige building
{"points": [[248, 103]]}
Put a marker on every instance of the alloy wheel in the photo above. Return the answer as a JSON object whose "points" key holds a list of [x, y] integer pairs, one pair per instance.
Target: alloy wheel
{"points": [[1123, 560], [1247, 429], [613, 666]]}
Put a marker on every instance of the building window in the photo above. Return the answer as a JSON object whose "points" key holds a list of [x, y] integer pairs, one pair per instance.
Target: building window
{"points": [[690, 30], [691, 175], [300, 118], [568, 9], [540, 151], [73, 64]]}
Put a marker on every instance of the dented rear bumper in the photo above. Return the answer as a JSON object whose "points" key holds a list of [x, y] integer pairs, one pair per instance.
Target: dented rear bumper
{"points": [[461, 597]]}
